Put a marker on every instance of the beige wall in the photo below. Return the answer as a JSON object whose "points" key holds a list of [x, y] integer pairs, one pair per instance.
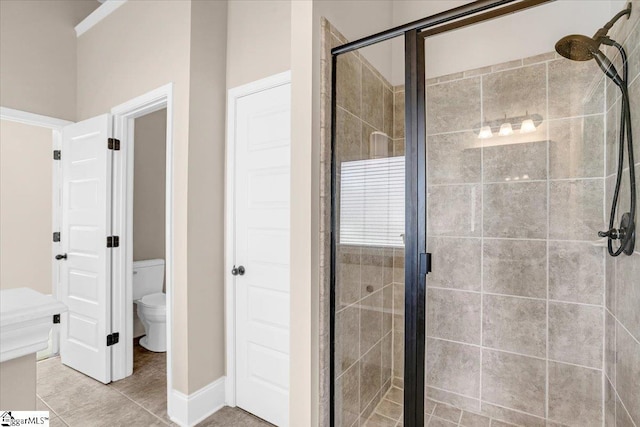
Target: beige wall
{"points": [[149, 186], [141, 46], [18, 383], [304, 383], [180, 42], [206, 193], [258, 40], [38, 55], [527, 33], [25, 201]]}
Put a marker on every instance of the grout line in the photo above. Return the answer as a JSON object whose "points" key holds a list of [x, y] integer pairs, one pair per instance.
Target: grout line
{"points": [[363, 121], [482, 243], [627, 330], [604, 258], [507, 352], [548, 199], [47, 405], [138, 404], [523, 181]]}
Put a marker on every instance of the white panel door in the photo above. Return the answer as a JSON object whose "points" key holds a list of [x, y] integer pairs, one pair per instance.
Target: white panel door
{"points": [[262, 169], [85, 275]]}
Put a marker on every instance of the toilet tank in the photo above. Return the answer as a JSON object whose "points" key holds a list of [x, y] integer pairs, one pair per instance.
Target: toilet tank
{"points": [[148, 277]]}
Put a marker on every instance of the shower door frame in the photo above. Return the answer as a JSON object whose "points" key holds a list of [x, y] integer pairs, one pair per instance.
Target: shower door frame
{"points": [[417, 260]]}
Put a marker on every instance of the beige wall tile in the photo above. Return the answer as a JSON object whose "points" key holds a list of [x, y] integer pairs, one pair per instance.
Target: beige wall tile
{"points": [[515, 267], [515, 324], [348, 136], [398, 114], [454, 210], [372, 99], [610, 347], [456, 261], [570, 86], [370, 321], [516, 210], [454, 158], [457, 400], [628, 292], [514, 162], [575, 334], [515, 92], [453, 315], [453, 106], [348, 401], [347, 332], [628, 372], [575, 209], [349, 83], [514, 381], [575, 395], [370, 375], [576, 272], [453, 367], [575, 147]]}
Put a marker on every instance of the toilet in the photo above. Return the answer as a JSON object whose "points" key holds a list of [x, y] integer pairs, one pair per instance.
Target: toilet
{"points": [[148, 278]]}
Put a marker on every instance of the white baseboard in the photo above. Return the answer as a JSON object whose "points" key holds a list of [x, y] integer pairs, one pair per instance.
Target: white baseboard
{"points": [[187, 411]]}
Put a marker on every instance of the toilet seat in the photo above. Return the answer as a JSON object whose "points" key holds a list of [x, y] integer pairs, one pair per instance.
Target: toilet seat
{"points": [[158, 300]]}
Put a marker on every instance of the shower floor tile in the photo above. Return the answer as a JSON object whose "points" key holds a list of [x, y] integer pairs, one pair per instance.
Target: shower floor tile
{"points": [[389, 413]]}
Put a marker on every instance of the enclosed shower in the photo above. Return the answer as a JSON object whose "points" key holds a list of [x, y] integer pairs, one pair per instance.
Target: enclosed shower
{"points": [[582, 48], [480, 189]]}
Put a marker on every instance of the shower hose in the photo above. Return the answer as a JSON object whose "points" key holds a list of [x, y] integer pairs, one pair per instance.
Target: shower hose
{"points": [[624, 235]]}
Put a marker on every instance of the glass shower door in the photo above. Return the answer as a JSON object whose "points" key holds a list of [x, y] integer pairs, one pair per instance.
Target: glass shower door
{"points": [[369, 213]]}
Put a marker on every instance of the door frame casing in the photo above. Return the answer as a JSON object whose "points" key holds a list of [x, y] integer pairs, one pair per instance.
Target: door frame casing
{"points": [[233, 96], [56, 125], [124, 116]]}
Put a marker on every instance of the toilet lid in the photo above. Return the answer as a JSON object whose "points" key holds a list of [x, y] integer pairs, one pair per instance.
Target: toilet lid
{"points": [[154, 300]]}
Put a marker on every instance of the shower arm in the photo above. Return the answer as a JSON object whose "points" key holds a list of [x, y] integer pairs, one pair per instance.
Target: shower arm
{"points": [[601, 34]]}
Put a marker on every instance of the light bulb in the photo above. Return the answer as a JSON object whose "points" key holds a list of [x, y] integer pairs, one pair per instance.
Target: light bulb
{"points": [[485, 132], [527, 126], [506, 129]]}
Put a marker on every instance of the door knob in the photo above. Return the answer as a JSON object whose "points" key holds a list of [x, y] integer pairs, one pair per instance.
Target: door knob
{"points": [[59, 257], [238, 270]]}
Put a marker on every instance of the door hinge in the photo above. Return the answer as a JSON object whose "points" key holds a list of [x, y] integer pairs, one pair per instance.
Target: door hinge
{"points": [[56, 318], [113, 241], [425, 263], [57, 154], [56, 236], [113, 144], [113, 338]]}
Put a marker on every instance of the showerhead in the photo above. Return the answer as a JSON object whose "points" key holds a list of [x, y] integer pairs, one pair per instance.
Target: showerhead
{"points": [[577, 47]]}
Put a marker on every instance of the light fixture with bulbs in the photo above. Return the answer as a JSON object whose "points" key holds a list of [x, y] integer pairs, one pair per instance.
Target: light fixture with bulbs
{"points": [[506, 129], [485, 132], [508, 126]]}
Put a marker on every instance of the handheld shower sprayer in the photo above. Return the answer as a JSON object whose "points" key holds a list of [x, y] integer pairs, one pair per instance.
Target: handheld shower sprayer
{"points": [[578, 47]]}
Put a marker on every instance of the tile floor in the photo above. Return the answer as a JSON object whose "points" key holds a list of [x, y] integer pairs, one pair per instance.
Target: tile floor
{"points": [[74, 399], [389, 413]]}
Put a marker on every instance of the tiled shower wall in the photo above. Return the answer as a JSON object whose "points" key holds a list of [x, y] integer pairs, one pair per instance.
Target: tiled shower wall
{"points": [[365, 275], [516, 316], [622, 321], [515, 320]]}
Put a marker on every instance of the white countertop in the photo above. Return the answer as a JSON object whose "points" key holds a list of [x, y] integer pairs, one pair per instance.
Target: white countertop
{"points": [[24, 304], [26, 317]]}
